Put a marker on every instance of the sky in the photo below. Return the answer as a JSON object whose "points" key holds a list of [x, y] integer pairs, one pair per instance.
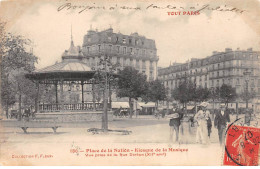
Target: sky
{"points": [[178, 38]]}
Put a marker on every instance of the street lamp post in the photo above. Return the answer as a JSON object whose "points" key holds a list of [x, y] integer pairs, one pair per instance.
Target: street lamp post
{"points": [[107, 68], [247, 78]]}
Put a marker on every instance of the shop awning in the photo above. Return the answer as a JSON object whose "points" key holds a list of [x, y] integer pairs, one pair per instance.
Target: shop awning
{"points": [[190, 107], [117, 105], [149, 104]]}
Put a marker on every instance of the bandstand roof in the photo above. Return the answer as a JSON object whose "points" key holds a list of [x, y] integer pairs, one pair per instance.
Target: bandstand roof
{"points": [[70, 68]]}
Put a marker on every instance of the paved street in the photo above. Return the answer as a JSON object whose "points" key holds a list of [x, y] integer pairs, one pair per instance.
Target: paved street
{"points": [[147, 132], [144, 129]]}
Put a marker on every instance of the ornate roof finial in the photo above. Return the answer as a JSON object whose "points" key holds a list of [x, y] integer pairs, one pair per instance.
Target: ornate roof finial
{"points": [[71, 32], [72, 43]]}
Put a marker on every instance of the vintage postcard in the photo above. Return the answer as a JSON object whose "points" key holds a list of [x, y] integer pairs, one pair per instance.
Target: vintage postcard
{"points": [[130, 83]]}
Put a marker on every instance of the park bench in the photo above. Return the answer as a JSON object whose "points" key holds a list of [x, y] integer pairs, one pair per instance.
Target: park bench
{"points": [[39, 122]]}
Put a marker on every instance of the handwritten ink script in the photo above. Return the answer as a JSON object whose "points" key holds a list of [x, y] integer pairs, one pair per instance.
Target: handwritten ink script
{"points": [[80, 8]]}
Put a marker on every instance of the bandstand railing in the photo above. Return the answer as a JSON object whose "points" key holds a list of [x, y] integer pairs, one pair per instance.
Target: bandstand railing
{"points": [[70, 107]]}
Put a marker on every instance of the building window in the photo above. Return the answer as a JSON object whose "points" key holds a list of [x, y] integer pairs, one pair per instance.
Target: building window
{"points": [[131, 62], [116, 39], [124, 62], [130, 41], [124, 41], [137, 65], [118, 60], [109, 39], [143, 64], [217, 74], [124, 50], [137, 51], [110, 48], [89, 39], [131, 51], [88, 50], [99, 48], [118, 49], [252, 82], [237, 82], [143, 52], [151, 75]]}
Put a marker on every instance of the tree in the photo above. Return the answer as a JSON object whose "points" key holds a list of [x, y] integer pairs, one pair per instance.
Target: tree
{"points": [[155, 92], [201, 94], [15, 62], [246, 96], [131, 84], [184, 92], [227, 93], [104, 77], [214, 95]]}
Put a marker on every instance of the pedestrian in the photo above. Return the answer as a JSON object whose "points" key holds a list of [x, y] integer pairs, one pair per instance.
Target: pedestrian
{"points": [[209, 126], [247, 117], [202, 117], [175, 118], [220, 122], [156, 113]]}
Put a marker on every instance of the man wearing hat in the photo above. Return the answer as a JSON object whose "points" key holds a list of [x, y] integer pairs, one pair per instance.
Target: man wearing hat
{"points": [[175, 116], [220, 122]]}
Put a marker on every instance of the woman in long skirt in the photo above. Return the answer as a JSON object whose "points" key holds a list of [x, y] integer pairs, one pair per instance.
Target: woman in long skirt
{"points": [[202, 130]]}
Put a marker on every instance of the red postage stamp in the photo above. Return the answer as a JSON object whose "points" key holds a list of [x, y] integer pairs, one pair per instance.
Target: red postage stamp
{"points": [[242, 146]]}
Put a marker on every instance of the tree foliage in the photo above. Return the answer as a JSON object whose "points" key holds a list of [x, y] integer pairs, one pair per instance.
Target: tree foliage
{"points": [[227, 93], [15, 62], [184, 92], [246, 96], [131, 84], [214, 94], [201, 94], [155, 91]]}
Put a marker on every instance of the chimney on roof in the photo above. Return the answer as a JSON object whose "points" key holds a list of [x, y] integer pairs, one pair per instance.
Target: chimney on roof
{"points": [[228, 50], [215, 52], [250, 49]]}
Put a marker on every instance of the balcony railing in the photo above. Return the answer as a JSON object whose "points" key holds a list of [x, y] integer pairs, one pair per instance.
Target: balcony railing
{"points": [[70, 107]]}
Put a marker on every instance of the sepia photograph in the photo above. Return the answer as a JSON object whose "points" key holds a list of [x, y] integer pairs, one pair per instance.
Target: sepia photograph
{"points": [[129, 83]]}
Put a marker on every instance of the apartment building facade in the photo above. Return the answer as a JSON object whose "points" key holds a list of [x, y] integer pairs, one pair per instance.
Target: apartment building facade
{"points": [[226, 67], [126, 50]]}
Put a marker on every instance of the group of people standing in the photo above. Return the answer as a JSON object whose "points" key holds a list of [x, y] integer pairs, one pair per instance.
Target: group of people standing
{"points": [[204, 123]]}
